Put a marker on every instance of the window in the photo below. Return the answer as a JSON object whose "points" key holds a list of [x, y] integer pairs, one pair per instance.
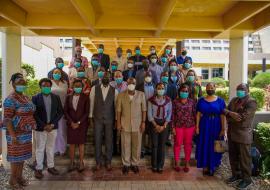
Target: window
{"points": [[217, 48], [195, 48], [68, 48], [250, 49], [205, 74], [186, 41], [205, 41], [216, 41], [195, 41], [61, 40], [226, 41], [250, 42], [226, 48], [217, 72], [206, 48], [68, 40], [187, 47]]}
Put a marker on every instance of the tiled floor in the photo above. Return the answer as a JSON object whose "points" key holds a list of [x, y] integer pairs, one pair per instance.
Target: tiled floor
{"points": [[146, 180]]}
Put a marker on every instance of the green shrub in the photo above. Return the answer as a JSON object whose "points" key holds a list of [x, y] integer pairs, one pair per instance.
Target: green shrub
{"points": [[227, 83], [262, 137], [29, 69], [223, 93], [261, 80], [220, 82], [259, 95], [32, 87]]}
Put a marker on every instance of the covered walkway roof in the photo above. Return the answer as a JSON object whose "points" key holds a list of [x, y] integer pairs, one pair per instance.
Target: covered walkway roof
{"points": [[127, 23]]}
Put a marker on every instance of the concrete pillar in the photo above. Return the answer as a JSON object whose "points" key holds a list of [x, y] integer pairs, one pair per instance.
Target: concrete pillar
{"points": [[238, 63], [226, 71], [11, 63], [179, 46]]}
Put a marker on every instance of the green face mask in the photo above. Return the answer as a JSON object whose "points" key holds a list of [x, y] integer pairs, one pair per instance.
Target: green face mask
{"points": [[46, 90]]}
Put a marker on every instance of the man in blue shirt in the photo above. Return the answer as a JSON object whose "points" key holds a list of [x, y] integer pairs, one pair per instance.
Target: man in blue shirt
{"points": [[183, 57]]}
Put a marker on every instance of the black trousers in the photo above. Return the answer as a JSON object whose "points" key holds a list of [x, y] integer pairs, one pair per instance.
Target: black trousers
{"points": [[158, 146], [240, 159]]}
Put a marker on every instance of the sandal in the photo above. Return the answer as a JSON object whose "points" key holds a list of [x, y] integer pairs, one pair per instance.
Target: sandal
{"points": [[72, 167], [186, 169], [23, 182], [81, 167]]}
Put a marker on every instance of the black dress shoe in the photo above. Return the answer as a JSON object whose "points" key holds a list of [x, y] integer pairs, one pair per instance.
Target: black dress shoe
{"points": [[232, 179], [160, 170], [154, 170], [243, 184], [125, 170], [135, 169]]}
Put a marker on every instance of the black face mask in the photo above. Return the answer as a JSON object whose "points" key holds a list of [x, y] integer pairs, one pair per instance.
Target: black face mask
{"points": [[105, 81], [210, 92], [184, 53]]}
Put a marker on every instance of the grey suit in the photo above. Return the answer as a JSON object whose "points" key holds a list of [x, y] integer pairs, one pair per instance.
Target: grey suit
{"points": [[240, 136]]}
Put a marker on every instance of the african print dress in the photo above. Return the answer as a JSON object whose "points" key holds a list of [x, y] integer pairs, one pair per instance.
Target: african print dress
{"points": [[19, 109]]}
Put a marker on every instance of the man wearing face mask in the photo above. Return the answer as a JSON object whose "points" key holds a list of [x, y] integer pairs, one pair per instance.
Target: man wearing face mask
{"points": [[183, 57], [240, 114], [49, 111], [137, 58], [131, 117], [129, 53], [100, 74], [103, 58], [59, 63], [120, 59], [102, 114], [130, 72], [93, 70], [155, 67], [78, 54]]}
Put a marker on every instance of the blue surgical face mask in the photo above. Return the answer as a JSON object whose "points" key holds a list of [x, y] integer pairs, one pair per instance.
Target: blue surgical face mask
{"points": [[164, 59], [77, 64], [95, 63], [100, 50], [78, 90], [187, 65], [174, 78], [183, 95], [168, 51], [81, 74], [60, 65], [100, 74], [20, 88], [138, 52], [241, 93], [190, 78], [165, 79], [173, 68], [161, 92], [46, 90], [56, 76], [114, 67], [128, 54], [118, 80]]}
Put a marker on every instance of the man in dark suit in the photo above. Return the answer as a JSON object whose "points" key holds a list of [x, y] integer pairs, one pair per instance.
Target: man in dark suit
{"points": [[137, 59], [48, 112], [240, 114], [103, 58], [130, 72]]}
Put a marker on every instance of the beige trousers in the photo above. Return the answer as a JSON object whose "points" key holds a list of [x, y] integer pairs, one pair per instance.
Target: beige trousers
{"points": [[131, 148]]}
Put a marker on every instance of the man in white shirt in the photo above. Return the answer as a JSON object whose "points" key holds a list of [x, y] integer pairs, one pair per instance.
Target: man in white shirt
{"points": [[120, 59], [102, 113]]}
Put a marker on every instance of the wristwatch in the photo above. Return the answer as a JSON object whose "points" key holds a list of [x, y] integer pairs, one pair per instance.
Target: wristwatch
{"points": [[79, 122]]}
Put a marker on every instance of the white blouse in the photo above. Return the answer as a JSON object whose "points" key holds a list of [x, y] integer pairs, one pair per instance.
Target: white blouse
{"points": [[60, 90]]}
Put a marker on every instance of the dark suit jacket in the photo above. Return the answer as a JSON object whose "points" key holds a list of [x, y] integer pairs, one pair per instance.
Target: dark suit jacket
{"points": [[125, 74], [242, 132], [104, 60], [137, 59], [41, 115], [81, 113]]}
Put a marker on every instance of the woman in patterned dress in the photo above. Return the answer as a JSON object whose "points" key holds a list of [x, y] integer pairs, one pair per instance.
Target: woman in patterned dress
{"points": [[19, 123]]}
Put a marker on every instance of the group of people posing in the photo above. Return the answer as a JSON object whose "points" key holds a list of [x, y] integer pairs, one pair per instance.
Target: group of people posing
{"points": [[136, 105]]}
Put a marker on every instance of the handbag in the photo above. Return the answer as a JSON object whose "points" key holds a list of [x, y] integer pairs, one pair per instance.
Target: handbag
{"points": [[220, 146]]}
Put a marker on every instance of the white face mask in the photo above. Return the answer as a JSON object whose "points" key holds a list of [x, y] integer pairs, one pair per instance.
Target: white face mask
{"points": [[130, 65], [153, 51], [131, 87], [154, 60], [148, 79]]}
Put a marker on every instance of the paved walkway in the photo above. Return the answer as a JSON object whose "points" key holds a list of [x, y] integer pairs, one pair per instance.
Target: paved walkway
{"points": [[146, 180]]}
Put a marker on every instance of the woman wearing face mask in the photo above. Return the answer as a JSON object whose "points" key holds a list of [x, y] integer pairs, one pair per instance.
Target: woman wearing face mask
{"points": [[168, 53], [174, 80], [159, 114], [19, 123], [86, 83], [93, 71], [195, 89], [59, 64], [184, 122], [114, 67], [209, 127], [76, 111], [72, 73], [155, 67], [152, 52], [60, 88], [185, 67]]}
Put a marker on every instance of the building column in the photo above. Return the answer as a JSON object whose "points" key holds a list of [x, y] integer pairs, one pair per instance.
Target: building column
{"points": [[238, 63], [179, 46], [11, 63], [226, 71]]}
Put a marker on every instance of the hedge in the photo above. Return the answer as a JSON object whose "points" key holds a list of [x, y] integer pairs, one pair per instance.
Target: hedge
{"points": [[256, 93], [261, 80], [32, 87]]}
